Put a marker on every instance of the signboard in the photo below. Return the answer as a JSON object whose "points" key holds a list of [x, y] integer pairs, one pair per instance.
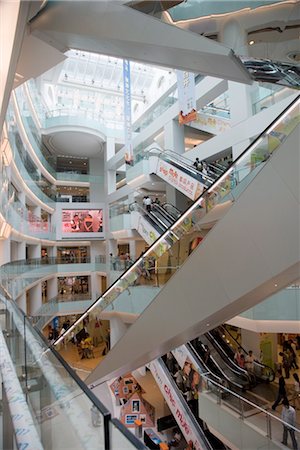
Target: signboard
{"points": [[82, 221], [179, 179], [183, 420], [127, 112], [212, 124], [186, 96]]}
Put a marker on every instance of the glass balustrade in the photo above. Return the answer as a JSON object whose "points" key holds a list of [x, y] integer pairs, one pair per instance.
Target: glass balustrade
{"points": [[65, 412], [19, 275], [258, 418], [32, 132], [174, 246]]}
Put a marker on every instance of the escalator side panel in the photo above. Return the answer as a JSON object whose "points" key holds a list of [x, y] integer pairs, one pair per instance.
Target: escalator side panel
{"points": [[224, 277]]}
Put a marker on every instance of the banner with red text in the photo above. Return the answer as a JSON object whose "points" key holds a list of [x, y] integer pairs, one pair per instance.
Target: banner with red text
{"points": [[173, 400], [179, 179]]}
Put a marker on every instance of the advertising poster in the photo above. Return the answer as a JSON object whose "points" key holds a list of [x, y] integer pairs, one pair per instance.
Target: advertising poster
{"points": [[185, 422], [186, 96], [180, 180], [82, 221]]}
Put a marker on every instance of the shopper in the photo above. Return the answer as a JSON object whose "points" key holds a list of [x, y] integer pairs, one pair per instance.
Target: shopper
{"points": [[296, 393], [288, 416], [237, 356], [148, 203], [249, 361], [281, 390], [286, 362]]}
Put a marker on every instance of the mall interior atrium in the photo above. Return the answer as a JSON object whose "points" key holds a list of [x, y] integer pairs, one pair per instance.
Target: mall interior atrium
{"points": [[150, 224]]}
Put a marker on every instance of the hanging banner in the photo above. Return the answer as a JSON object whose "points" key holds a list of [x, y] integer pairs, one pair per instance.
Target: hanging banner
{"points": [[186, 184], [186, 97], [174, 402], [127, 112]]}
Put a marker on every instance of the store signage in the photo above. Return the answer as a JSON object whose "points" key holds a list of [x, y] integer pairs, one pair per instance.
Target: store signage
{"points": [[183, 420], [127, 112], [212, 124], [179, 179]]}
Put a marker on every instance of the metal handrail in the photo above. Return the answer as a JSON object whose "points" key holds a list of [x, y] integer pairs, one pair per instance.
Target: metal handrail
{"points": [[253, 405]]}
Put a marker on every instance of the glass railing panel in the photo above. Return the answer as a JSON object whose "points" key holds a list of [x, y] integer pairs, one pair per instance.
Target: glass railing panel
{"points": [[267, 95], [122, 438], [27, 170], [53, 392], [248, 412], [31, 130], [174, 246]]}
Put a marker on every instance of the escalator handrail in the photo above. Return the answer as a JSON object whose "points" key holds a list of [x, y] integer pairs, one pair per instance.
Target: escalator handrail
{"points": [[184, 403], [256, 363], [230, 381], [163, 212], [232, 365], [150, 217], [198, 357], [178, 212], [187, 163], [190, 208]]}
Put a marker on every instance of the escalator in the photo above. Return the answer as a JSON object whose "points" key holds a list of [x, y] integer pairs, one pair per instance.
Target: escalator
{"points": [[257, 177], [153, 223], [186, 373], [192, 428], [148, 225], [234, 376], [178, 171], [230, 345]]}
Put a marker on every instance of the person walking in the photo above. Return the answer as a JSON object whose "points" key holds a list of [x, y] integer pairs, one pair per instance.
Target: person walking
{"points": [[296, 392], [288, 416], [281, 390], [286, 363]]}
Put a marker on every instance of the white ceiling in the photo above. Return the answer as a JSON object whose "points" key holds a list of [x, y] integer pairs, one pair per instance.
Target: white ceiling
{"points": [[75, 143]]}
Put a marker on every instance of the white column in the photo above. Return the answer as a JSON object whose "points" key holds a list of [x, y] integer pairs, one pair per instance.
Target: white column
{"points": [[97, 187], [234, 36], [174, 136], [34, 251], [110, 147], [251, 341], [21, 302], [52, 290], [21, 250], [111, 181], [117, 329], [5, 255], [35, 298]]}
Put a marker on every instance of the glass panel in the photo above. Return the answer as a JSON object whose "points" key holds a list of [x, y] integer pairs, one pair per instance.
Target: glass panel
{"points": [[123, 440], [155, 267], [56, 401]]}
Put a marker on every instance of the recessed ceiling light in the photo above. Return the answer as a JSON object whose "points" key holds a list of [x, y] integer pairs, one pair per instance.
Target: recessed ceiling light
{"points": [[275, 285], [251, 42]]}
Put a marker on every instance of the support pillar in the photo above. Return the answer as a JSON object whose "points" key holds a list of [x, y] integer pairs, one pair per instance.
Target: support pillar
{"points": [[117, 329], [110, 147], [35, 299], [234, 36]]}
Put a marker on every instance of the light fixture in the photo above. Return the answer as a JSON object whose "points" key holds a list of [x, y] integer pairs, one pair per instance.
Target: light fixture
{"points": [[251, 42]]}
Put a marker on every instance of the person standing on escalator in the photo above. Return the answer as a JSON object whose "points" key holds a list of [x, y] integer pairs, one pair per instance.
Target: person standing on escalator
{"points": [[281, 390]]}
